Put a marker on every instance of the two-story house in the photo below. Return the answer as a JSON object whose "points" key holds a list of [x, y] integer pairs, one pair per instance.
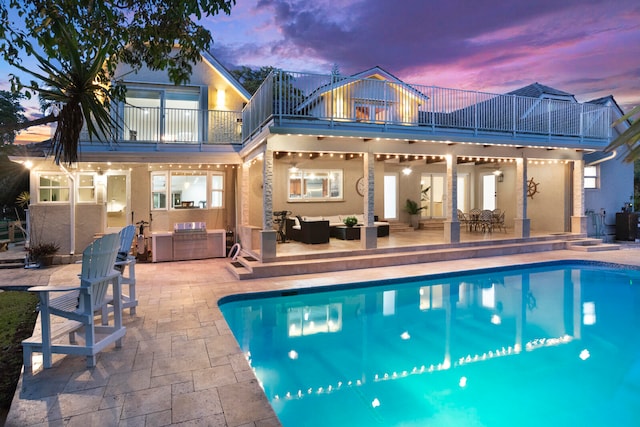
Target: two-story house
{"points": [[325, 146]]}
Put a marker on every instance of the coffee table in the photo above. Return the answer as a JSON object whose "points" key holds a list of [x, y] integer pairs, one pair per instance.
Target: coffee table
{"points": [[343, 232]]}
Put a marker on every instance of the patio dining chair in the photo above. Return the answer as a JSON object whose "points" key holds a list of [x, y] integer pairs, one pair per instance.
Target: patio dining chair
{"points": [[486, 221], [75, 307], [462, 218], [498, 222], [474, 219]]}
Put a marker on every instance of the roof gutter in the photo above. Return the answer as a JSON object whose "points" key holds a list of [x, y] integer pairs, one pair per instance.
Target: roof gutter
{"points": [[611, 156]]}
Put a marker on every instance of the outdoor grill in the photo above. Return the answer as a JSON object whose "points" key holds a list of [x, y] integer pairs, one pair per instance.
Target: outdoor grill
{"points": [[189, 240]]}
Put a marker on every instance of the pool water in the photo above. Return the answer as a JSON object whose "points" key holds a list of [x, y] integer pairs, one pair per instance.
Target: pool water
{"points": [[552, 345]]}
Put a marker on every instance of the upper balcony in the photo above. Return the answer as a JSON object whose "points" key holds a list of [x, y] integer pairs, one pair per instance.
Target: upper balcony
{"points": [[328, 104], [151, 128]]}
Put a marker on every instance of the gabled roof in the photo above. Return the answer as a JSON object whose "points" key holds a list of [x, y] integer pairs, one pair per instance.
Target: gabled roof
{"points": [[226, 74], [376, 72], [537, 90], [372, 73]]}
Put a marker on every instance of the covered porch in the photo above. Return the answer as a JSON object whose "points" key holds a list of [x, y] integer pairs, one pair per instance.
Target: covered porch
{"points": [[540, 190]]}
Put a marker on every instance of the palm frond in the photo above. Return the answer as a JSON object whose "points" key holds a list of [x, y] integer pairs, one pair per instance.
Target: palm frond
{"points": [[629, 139]]}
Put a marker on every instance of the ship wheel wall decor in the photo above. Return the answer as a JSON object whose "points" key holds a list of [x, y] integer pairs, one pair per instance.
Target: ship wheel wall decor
{"points": [[532, 187]]}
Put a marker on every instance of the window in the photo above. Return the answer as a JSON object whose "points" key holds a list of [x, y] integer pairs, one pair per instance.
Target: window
{"points": [[319, 184], [370, 112], [158, 191], [590, 177], [86, 188], [217, 191], [188, 190], [53, 187]]}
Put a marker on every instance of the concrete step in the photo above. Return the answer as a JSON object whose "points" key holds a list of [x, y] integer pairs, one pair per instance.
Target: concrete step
{"points": [[399, 227], [432, 224], [341, 262], [591, 245], [12, 262]]}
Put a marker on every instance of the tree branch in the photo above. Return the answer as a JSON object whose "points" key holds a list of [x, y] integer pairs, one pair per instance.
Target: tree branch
{"points": [[12, 127]]}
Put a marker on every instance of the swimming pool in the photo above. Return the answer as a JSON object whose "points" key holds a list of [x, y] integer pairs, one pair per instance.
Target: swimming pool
{"points": [[550, 344]]}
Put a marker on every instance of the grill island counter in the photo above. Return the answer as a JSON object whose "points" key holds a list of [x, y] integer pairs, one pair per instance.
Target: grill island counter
{"points": [[189, 240]]}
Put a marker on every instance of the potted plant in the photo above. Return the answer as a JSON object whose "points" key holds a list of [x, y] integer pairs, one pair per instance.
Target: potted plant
{"points": [[42, 253], [350, 221], [413, 209]]}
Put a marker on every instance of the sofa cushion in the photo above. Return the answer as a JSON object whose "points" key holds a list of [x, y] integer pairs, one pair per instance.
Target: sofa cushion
{"points": [[312, 218], [334, 220]]}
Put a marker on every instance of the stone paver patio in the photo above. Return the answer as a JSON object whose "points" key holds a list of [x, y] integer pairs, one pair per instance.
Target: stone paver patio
{"points": [[179, 364]]}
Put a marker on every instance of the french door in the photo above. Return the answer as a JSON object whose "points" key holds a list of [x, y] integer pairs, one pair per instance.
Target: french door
{"points": [[118, 201]]}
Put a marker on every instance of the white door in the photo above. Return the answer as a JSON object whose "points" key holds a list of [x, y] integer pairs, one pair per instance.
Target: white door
{"points": [[432, 193], [462, 195], [118, 201], [391, 196], [489, 192]]}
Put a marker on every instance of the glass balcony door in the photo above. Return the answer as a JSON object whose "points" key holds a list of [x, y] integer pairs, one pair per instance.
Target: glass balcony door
{"points": [[162, 116]]}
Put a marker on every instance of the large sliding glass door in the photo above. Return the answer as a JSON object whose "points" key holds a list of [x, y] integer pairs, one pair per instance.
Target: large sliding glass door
{"points": [[162, 115]]}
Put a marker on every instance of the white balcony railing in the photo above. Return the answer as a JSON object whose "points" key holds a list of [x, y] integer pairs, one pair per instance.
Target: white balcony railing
{"points": [[335, 99], [172, 125]]}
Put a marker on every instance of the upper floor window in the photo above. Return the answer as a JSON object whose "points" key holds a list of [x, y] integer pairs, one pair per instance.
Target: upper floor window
{"points": [[53, 187], [372, 111], [590, 177], [315, 184]]}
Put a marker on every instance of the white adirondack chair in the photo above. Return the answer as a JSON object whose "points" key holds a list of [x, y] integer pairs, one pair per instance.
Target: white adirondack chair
{"points": [[126, 261], [77, 307]]}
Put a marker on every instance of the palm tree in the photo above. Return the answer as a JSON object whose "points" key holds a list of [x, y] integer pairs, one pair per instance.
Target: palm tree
{"points": [[75, 92]]}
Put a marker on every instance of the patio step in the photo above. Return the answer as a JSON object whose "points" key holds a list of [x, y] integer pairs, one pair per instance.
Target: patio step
{"points": [[11, 262], [591, 245], [243, 269], [399, 227], [432, 224]]}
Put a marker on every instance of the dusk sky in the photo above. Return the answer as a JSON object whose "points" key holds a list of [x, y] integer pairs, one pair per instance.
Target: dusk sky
{"points": [[590, 48]]}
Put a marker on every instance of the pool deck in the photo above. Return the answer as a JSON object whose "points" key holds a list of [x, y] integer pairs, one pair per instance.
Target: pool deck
{"points": [[179, 363]]}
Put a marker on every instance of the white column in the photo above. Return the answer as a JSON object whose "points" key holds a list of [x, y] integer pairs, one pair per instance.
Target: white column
{"points": [[268, 234], [369, 232], [244, 230], [452, 225], [578, 219], [522, 224], [244, 194]]}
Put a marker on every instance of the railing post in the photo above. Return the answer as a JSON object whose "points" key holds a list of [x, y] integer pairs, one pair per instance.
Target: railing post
{"points": [[513, 115], [331, 109], [582, 130], [384, 97], [433, 111], [475, 114], [549, 118], [280, 94]]}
